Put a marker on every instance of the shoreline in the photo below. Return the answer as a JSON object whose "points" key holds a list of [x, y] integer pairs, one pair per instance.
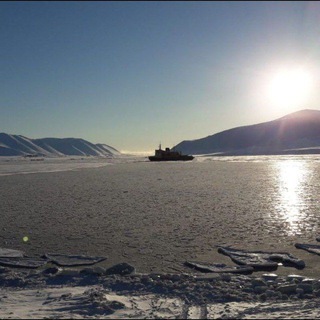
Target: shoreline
{"points": [[88, 292]]}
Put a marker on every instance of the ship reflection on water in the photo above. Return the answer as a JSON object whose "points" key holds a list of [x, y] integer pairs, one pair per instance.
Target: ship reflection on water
{"points": [[291, 205]]}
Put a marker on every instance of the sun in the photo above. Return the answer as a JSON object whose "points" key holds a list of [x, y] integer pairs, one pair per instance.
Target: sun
{"points": [[290, 87]]}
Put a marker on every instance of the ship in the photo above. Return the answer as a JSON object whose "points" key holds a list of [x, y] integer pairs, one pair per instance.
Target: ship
{"points": [[168, 155]]}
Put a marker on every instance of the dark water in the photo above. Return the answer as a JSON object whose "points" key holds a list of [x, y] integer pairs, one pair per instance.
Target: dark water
{"points": [[157, 215]]}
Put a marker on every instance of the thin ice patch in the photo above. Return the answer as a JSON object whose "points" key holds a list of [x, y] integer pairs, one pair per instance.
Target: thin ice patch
{"points": [[10, 253], [63, 260], [23, 262], [218, 267], [313, 248]]}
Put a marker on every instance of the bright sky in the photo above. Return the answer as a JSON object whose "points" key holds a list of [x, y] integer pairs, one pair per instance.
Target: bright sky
{"points": [[132, 74]]}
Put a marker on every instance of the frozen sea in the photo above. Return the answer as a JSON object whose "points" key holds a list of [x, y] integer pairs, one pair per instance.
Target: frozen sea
{"points": [[156, 216]]}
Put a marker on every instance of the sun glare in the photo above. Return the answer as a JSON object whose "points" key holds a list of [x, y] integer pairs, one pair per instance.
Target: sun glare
{"points": [[290, 87], [292, 176]]}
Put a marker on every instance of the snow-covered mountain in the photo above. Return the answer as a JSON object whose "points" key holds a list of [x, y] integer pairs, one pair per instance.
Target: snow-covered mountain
{"points": [[17, 145], [295, 133]]}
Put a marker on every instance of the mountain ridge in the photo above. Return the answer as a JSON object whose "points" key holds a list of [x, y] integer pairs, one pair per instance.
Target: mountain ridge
{"points": [[297, 132], [18, 145]]}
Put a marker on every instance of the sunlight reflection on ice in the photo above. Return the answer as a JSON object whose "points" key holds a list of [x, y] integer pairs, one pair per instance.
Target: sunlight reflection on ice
{"points": [[292, 177]]}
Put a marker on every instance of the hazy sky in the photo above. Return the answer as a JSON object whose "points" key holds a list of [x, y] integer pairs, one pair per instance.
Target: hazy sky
{"points": [[132, 74]]}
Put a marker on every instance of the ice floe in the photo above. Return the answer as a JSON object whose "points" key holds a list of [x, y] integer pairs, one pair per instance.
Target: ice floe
{"points": [[261, 260]]}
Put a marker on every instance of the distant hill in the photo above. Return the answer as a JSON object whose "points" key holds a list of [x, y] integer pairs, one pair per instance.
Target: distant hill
{"points": [[17, 145], [296, 133]]}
